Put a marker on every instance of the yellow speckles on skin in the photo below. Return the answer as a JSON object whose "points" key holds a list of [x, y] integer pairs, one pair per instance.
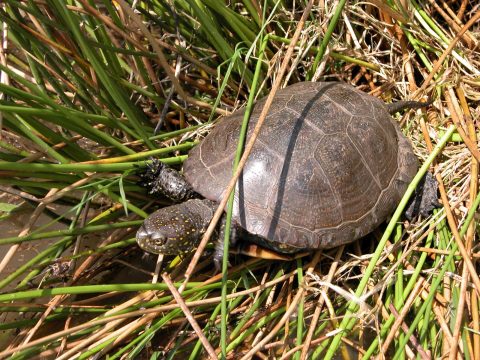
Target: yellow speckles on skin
{"points": [[175, 229]]}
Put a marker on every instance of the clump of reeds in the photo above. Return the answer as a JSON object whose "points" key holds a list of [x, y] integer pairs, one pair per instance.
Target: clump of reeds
{"points": [[84, 84]]}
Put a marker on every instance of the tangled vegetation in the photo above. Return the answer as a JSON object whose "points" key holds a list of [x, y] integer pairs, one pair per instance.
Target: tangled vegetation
{"points": [[83, 86]]}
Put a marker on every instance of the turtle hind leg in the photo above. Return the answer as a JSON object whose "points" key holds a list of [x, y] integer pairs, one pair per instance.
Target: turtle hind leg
{"points": [[425, 198], [160, 179]]}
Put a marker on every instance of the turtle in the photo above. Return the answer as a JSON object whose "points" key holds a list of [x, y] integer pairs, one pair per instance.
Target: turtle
{"points": [[330, 165]]}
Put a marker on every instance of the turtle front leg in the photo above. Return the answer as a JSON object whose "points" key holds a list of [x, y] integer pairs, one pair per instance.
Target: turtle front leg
{"points": [[219, 243], [160, 179]]}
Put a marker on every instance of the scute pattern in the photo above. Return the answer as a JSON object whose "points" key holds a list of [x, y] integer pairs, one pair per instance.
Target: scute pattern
{"points": [[372, 138], [325, 170], [348, 175]]}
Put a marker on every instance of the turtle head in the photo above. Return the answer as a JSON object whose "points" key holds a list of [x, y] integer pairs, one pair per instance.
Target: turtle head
{"points": [[157, 240], [174, 230]]}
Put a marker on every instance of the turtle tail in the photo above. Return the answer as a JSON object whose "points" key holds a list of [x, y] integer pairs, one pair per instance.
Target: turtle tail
{"points": [[402, 105]]}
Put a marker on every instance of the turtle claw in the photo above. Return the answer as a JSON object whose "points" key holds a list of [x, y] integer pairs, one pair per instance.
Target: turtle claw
{"points": [[425, 198], [218, 252], [217, 262], [218, 257]]}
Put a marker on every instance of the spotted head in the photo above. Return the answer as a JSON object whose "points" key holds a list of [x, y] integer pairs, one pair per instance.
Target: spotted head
{"points": [[176, 229]]}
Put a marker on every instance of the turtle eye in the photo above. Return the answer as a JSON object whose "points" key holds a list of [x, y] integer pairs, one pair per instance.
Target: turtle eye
{"points": [[158, 238]]}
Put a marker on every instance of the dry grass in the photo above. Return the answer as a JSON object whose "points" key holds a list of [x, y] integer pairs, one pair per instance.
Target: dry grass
{"points": [[65, 105]]}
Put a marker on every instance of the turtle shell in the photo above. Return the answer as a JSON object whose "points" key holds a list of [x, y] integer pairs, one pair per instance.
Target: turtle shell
{"points": [[329, 165]]}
